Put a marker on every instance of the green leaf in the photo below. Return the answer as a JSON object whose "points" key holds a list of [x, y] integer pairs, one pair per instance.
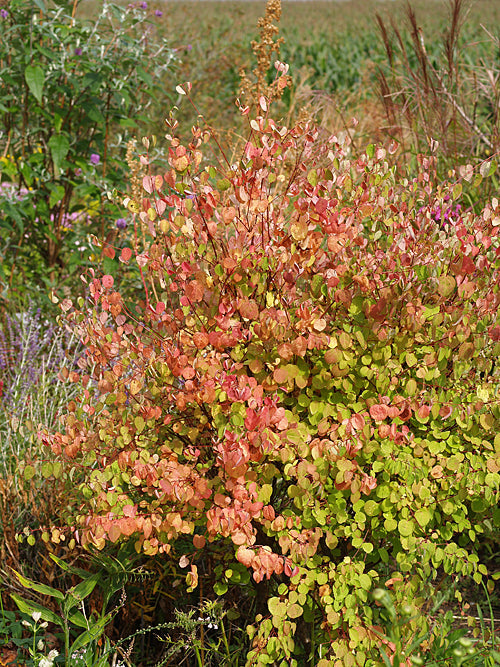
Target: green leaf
{"points": [[446, 285], [78, 619], [56, 194], [46, 469], [29, 473], [220, 588], [94, 632], [312, 177], [423, 516], [457, 191], [59, 147], [294, 611], [28, 607], [223, 184], [139, 424], [411, 359], [69, 568], [405, 528], [35, 78], [85, 588], [39, 588], [411, 387]]}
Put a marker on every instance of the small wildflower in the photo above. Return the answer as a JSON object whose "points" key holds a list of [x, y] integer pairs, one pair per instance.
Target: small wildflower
{"points": [[121, 223], [94, 158], [144, 5], [78, 51], [158, 12], [78, 172], [36, 616], [4, 13], [49, 660]]}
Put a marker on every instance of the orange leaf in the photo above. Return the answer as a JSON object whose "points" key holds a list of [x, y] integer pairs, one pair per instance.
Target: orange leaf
{"points": [[199, 541], [200, 339], [195, 291], [249, 309], [114, 532], [135, 386]]}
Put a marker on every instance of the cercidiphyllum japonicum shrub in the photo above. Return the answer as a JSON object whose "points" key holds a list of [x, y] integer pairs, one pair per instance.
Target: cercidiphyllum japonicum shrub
{"points": [[307, 391], [70, 90]]}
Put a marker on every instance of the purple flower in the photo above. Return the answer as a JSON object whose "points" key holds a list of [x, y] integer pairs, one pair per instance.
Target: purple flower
{"points": [[94, 158], [143, 5], [158, 12], [78, 51], [121, 223], [4, 13], [189, 47], [78, 171]]}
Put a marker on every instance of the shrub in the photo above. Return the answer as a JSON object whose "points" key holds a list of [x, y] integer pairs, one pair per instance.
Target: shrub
{"points": [[306, 395], [69, 90]]}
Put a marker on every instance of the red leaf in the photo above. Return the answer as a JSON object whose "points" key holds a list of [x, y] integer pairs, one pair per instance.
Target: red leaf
{"points": [[108, 251], [161, 205], [107, 281], [424, 411], [358, 421], [379, 412], [494, 333], [125, 255], [468, 265]]}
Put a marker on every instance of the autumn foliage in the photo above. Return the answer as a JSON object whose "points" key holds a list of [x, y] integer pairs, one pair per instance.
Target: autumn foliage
{"points": [[307, 387]]}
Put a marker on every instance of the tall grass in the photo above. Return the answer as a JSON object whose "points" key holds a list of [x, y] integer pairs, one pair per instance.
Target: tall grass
{"points": [[32, 353], [447, 92]]}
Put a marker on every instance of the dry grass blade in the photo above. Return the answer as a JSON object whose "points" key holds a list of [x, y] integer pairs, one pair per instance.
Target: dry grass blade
{"points": [[439, 96]]}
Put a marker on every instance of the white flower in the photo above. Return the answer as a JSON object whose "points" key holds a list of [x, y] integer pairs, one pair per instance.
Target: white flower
{"points": [[36, 616], [40, 645], [45, 662]]}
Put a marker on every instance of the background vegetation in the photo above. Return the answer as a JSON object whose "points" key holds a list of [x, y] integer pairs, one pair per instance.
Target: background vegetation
{"points": [[344, 64]]}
